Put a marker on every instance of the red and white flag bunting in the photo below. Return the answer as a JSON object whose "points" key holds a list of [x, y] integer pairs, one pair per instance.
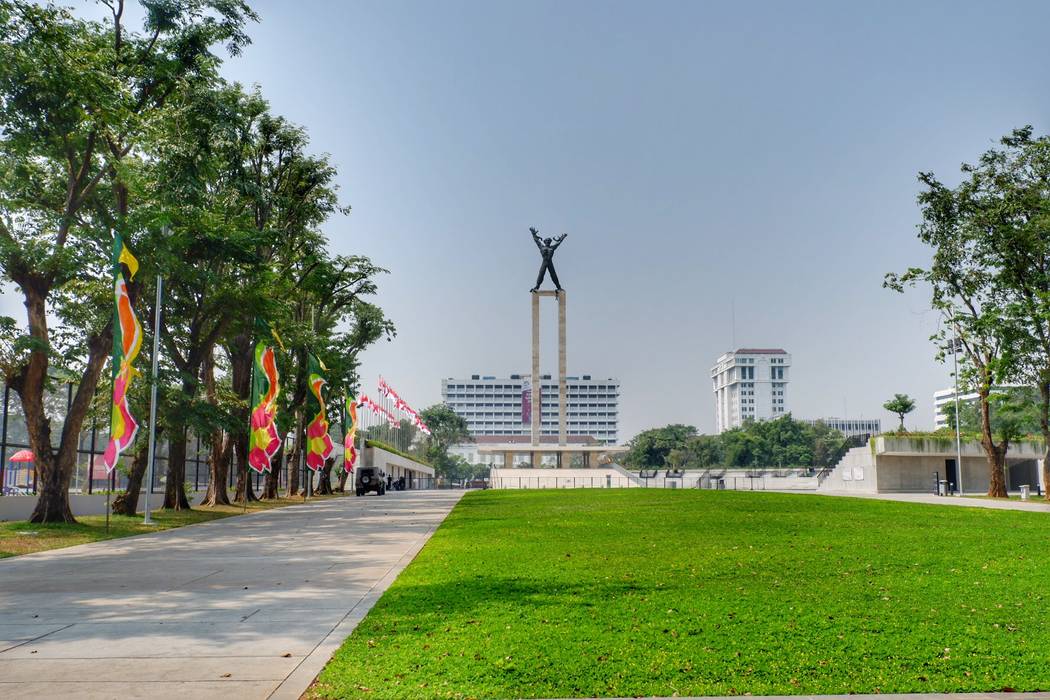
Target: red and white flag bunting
{"points": [[402, 406]]}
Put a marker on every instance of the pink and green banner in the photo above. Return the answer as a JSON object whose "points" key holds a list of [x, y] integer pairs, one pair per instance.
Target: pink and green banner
{"points": [[318, 443], [127, 341], [350, 434], [264, 441]]}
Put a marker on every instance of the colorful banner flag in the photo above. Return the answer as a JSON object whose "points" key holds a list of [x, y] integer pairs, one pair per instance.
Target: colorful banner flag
{"points": [[127, 341], [264, 442], [526, 402], [350, 434], [318, 443]]}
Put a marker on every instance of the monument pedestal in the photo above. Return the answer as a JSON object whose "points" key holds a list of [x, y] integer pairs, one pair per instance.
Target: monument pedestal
{"points": [[537, 383]]}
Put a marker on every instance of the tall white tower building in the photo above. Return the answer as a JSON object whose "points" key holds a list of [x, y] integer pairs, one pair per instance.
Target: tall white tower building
{"points": [[750, 384]]}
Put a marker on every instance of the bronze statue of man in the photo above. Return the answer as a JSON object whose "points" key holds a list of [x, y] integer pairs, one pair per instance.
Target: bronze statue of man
{"points": [[547, 247]]}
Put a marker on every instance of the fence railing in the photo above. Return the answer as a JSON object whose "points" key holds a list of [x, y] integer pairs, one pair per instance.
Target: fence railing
{"points": [[89, 475], [730, 483]]}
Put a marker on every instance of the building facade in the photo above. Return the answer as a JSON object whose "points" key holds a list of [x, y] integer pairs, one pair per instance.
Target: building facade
{"points": [[850, 427], [497, 406], [750, 384]]}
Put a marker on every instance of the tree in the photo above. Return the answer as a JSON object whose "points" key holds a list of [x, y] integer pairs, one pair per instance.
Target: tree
{"points": [[781, 442], [1007, 198], [650, 448], [1019, 405], [77, 98], [447, 428], [968, 290], [901, 404]]}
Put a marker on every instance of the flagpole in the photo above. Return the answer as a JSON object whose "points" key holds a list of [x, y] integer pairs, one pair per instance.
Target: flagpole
{"points": [[109, 494], [251, 391], [112, 371], [153, 402]]}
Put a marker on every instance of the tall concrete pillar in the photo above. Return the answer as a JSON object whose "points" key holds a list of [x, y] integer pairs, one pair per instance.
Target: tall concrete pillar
{"points": [[563, 403], [535, 368]]}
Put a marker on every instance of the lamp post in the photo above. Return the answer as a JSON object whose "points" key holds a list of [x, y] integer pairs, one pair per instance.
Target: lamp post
{"points": [[151, 454], [958, 438]]}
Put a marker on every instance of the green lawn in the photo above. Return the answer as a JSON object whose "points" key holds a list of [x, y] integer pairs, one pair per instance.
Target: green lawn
{"points": [[20, 537], [642, 592]]}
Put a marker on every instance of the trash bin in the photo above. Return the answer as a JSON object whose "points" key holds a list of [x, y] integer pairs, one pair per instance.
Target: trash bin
{"points": [[943, 484], [1024, 492]]}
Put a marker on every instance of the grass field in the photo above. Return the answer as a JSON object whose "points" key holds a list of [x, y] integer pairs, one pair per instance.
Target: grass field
{"points": [[21, 537], [653, 592]]}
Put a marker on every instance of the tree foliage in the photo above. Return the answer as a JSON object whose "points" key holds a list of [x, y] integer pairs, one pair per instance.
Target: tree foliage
{"points": [[990, 277], [782, 442], [447, 428], [106, 128], [902, 405]]}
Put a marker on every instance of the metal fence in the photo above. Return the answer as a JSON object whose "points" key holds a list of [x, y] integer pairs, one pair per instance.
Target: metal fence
{"points": [[89, 475], [730, 483]]}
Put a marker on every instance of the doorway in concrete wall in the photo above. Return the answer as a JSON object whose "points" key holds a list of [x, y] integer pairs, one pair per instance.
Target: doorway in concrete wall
{"points": [[951, 473]]}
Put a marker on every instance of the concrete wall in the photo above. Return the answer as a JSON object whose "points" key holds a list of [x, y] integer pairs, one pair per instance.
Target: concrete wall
{"points": [[908, 465], [21, 507], [855, 473]]}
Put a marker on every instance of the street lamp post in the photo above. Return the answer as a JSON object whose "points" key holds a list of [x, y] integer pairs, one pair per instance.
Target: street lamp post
{"points": [[153, 403], [151, 454], [958, 438]]}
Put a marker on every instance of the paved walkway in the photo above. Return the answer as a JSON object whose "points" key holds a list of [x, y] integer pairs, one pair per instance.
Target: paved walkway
{"points": [[1036, 504], [248, 607]]}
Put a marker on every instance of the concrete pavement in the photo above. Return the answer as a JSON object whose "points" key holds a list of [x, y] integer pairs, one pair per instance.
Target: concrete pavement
{"points": [[245, 607], [1037, 504]]}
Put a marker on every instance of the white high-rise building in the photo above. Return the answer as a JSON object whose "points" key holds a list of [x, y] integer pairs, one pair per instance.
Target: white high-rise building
{"points": [[498, 406], [750, 384]]}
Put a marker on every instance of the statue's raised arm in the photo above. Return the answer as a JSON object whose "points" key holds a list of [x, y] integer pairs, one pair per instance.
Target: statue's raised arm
{"points": [[536, 237], [559, 239]]}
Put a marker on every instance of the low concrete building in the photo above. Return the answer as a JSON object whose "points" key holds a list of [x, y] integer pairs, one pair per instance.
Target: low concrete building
{"points": [[417, 475], [904, 464]]}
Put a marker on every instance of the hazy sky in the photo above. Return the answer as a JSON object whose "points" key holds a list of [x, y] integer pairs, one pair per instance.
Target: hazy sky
{"points": [[700, 155]]}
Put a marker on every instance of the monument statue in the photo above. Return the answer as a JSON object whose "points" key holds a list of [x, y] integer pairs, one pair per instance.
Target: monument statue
{"points": [[547, 247]]}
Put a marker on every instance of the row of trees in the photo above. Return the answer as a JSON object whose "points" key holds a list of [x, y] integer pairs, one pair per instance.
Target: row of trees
{"points": [[106, 128], [990, 278], [782, 442]]}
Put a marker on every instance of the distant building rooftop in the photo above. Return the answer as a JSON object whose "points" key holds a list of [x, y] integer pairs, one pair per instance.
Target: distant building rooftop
{"points": [[761, 351], [527, 439]]}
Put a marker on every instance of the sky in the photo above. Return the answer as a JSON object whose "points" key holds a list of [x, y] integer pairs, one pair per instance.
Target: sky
{"points": [[729, 173]]}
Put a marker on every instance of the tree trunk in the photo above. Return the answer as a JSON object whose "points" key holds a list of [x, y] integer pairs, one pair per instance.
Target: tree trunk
{"points": [[272, 477], [324, 482], [54, 468], [218, 470], [127, 503], [245, 476], [219, 442], [295, 457], [996, 453], [343, 474], [175, 486], [241, 361]]}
